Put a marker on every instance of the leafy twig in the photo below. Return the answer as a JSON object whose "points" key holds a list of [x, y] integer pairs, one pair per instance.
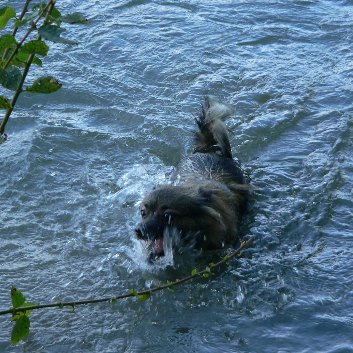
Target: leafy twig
{"points": [[47, 10], [24, 10], [23, 53], [144, 294], [16, 95]]}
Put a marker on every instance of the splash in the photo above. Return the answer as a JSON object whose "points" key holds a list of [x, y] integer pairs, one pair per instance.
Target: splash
{"points": [[175, 248]]}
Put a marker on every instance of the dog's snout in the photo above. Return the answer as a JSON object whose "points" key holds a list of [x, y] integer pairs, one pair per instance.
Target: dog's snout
{"points": [[139, 233]]}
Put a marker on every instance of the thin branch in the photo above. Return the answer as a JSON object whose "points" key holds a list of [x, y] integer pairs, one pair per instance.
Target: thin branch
{"points": [[17, 94], [24, 10], [130, 294], [25, 7], [47, 9], [8, 113]]}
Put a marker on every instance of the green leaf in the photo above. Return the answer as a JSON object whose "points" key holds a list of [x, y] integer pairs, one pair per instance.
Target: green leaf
{"points": [[35, 47], [144, 296], [17, 298], [37, 61], [10, 78], [4, 103], [32, 14], [194, 272], [6, 13], [74, 18], [18, 314], [133, 292], [226, 259], [55, 17], [6, 41], [20, 329], [21, 58], [53, 33], [45, 84], [207, 272], [170, 286], [20, 23], [55, 14]]}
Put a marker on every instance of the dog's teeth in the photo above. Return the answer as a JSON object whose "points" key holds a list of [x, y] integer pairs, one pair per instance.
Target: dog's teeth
{"points": [[170, 220], [204, 237]]}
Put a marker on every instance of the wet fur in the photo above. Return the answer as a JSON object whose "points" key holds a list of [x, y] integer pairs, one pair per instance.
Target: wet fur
{"points": [[207, 204]]}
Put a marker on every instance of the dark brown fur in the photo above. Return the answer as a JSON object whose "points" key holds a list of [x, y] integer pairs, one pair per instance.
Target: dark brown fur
{"points": [[207, 204]]}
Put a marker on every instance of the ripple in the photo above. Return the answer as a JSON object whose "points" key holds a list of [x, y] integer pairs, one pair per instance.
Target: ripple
{"points": [[78, 162]]}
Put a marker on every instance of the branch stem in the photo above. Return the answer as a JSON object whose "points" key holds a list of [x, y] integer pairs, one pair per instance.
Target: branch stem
{"points": [[177, 282], [47, 9], [24, 10], [17, 94]]}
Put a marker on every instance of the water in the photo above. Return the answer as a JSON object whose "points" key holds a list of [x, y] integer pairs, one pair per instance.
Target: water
{"points": [[77, 163]]}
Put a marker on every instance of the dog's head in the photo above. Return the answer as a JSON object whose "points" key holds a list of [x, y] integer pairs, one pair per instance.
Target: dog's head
{"points": [[188, 210]]}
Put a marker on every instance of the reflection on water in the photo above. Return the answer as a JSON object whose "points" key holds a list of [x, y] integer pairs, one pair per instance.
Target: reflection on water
{"points": [[78, 162]]}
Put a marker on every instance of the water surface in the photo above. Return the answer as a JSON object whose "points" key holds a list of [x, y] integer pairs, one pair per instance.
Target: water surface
{"points": [[77, 163]]}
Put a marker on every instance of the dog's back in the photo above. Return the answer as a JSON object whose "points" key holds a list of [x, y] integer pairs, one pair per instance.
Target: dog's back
{"points": [[212, 156]]}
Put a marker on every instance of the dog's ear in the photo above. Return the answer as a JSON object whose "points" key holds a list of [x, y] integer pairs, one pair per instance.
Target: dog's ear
{"points": [[213, 214], [205, 195], [206, 199]]}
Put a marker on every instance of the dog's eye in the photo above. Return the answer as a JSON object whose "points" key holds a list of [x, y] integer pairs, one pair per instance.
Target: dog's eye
{"points": [[168, 218], [143, 212]]}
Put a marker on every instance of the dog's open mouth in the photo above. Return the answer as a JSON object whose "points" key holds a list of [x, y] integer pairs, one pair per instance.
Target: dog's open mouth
{"points": [[156, 249]]}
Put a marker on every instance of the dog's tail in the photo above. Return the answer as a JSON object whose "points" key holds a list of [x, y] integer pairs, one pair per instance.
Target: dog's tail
{"points": [[212, 136]]}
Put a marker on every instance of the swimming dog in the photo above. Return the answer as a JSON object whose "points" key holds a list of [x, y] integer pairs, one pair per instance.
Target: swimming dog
{"points": [[206, 205]]}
